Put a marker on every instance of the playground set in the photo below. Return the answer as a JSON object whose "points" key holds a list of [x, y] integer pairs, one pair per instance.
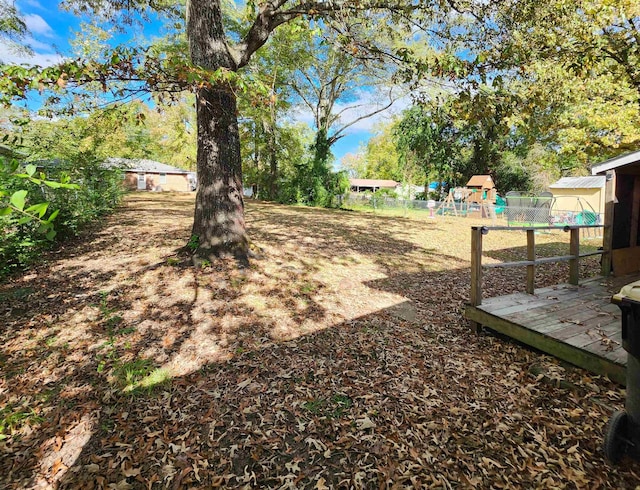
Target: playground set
{"points": [[479, 199]]}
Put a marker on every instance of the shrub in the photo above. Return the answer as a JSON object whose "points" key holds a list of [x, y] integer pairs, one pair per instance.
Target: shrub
{"points": [[23, 238], [100, 191]]}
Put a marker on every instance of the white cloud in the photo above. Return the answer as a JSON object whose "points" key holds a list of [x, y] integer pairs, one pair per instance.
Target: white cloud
{"points": [[365, 103], [10, 55], [37, 25], [39, 35], [38, 45], [301, 115]]}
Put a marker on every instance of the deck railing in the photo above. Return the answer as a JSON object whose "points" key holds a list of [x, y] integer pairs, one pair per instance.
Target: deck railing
{"points": [[477, 232]]}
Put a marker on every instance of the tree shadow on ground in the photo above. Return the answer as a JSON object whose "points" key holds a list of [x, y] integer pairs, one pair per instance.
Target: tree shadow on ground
{"points": [[356, 404], [261, 378]]}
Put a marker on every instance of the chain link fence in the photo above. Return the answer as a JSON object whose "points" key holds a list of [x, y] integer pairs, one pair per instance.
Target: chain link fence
{"points": [[516, 213]]}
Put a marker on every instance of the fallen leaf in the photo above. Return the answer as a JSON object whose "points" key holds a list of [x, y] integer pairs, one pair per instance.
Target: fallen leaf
{"points": [[365, 423]]}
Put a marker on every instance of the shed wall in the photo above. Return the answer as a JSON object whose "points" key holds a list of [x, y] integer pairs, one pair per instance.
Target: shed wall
{"points": [[566, 199]]}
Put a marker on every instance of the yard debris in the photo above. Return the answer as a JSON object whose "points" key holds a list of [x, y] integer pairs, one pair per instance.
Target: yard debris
{"points": [[604, 339], [297, 373]]}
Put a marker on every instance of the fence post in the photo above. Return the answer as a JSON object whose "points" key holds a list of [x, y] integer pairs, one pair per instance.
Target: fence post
{"points": [[531, 255], [574, 263], [476, 271]]}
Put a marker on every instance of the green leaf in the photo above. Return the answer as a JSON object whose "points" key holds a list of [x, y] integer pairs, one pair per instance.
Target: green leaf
{"points": [[18, 198], [52, 184], [5, 211], [51, 234], [24, 220], [40, 209], [53, 216], [31, 169]]}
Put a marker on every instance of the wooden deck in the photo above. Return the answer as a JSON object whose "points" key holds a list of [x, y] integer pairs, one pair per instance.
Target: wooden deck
{"points": [[578, 324]]}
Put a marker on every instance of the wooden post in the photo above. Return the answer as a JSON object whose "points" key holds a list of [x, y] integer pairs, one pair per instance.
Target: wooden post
{"points": [[574, 263], [607, 235], [531, 255], [635, 213], [476, 271]]}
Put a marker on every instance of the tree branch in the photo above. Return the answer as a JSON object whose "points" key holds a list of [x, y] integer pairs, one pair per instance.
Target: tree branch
{"points": [[338, 134], [271, 15]]}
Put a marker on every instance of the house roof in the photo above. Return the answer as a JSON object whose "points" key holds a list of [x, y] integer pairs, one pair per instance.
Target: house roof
{"points": [[143, 165], [480, 181], [591, 182], [616, 162], [372, 183]]}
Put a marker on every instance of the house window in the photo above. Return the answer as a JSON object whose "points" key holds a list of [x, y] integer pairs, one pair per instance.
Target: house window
{"points": [[163, 178]]}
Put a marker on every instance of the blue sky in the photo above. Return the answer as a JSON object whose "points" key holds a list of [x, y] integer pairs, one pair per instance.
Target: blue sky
{"points": [[51, 28], [356, 136]]}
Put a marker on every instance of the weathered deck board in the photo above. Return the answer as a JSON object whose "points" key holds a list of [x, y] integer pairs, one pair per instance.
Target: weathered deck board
{"points": [[577, 324]]}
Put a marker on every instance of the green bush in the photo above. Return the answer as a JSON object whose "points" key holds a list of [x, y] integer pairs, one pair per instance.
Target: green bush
{"points": [[25, 220], [100, 191], [311, 190], [23, 239]]}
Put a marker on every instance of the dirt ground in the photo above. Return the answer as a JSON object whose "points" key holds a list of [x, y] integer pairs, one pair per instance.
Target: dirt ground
{"points": [[338, 359]]}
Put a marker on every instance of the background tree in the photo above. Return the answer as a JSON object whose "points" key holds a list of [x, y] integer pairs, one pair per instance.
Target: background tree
{"points": [[578, 119], [172, 131], [354, 164], [13, 29], [338, 89], [268, 134], [381, 157], [586, 36], [428, 137]]}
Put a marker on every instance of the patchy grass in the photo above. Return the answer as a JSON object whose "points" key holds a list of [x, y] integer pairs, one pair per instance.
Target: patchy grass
{"points": [[339, 359], [14, 418]]}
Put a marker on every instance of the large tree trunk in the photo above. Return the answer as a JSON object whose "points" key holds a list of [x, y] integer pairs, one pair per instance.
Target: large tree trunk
{"points": [[218, 221], [219, 215]]}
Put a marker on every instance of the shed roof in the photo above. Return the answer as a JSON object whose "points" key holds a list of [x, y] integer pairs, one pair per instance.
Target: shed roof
{"points": [[591, 182], [143, 165], [373, 183], [481, 181], [616, 162]]}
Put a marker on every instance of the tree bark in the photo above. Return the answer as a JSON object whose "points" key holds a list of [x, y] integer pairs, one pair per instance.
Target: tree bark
{"points": [[218, 220], [219, 213]]}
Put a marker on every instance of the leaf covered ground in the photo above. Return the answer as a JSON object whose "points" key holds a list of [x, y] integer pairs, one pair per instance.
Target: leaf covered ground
{"points": [[338, 359]]}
